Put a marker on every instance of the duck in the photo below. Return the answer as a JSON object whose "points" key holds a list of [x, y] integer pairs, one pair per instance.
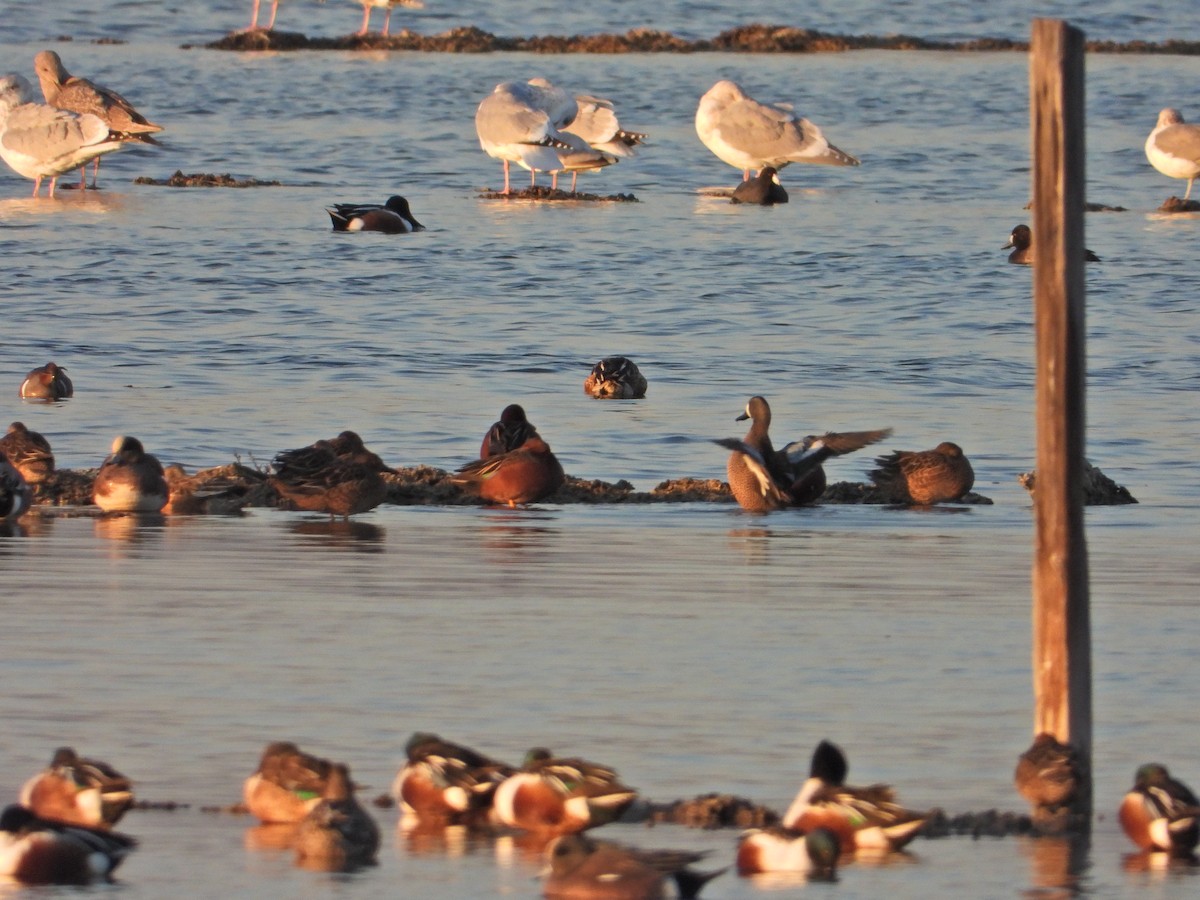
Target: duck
{"points": [[1022, 240], [287, 784], [507, 433], [445, 783], [1160, 813], [580, 868], [34, 850], [338, 476], [1048, 774], [387, 5], [392, 217], [862, 818], [777, 849], [615, 378], [78, 95], [130, 479], [763, 479], [550, 795], [78, 791], [924, 477], [1173, 148], [28, 452], [764, 189], [525, 475], [750, 136], [15, 494], [48, 382], [337, 834], [206, 493]]}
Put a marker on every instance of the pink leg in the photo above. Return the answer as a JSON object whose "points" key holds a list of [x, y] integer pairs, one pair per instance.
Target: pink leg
{"points": [[366, 20], [574, 178], [254, 17], [745, 174], [387, 20], [507, 189], [274, 9], [37, 184], [83, 178], [52, 181], [554, 181]]}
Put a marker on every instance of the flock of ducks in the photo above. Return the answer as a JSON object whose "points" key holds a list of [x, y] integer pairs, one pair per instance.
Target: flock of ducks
{"points": [[61, 829]]}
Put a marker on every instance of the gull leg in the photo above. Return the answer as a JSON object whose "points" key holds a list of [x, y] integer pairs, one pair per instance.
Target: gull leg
{"points": [[366, 20], [387, 20], [574, 178], [37, 183], [1188, 193], [254, 17], [52, 181], [95, 173], [83, 178]]}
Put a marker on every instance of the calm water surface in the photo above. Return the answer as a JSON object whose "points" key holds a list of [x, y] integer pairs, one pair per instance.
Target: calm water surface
{"points": [[693, 647]]}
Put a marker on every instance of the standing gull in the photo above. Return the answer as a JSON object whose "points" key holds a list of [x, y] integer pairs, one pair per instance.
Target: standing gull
{"points": [[752, 135], [254, 26], [40, 141], [1173, 148], [521, 122], [368, 5], [65, 91], [596, 123]]}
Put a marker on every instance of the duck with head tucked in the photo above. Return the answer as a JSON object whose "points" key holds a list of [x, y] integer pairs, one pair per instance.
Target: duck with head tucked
{"points": [[48, 382], [340, 477], [615, 378], [337, 834], [525, 475], [507, 433], [287, 784], [15, 493], [924, 477], [1160, 813], [777, 849], [444, 783], [78, 791], [581, 868], [553, 795], [764, 189], [34, 850], [29, 453], [130, 480]]}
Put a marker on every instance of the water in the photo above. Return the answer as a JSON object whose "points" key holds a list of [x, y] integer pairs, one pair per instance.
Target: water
{"points": [[691, 646]]}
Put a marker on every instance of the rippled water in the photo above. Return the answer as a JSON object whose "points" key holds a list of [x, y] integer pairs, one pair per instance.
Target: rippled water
{"points": [[691, 646]]}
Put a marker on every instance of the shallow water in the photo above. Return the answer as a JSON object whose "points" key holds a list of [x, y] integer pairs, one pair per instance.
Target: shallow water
{"points": [[691, 646]]}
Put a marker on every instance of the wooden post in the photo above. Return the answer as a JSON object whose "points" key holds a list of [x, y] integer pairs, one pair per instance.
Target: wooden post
{"points": [[1062, 665]]}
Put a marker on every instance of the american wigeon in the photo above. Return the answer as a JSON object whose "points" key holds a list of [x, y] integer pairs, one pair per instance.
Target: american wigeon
{"points": [[1173, 147], [49, 382], [287, 784], [764, 479], [38, 851], [615, 378], [596, 123], [78, 95], [15, 493], [749, 135], [1160, 813], [1022, 240], [777, 849], [130, 479], [509, 432], [525, 475], [337, 834], [924, 477], [387, 5], [1048, 773], [862, 818], [764, 189], [552, 796], [580, 868], [446, 783], [392, 217], [78, 791], [29, 453]]}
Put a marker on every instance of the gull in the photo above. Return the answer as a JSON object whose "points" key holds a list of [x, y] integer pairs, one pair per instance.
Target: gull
{"points": [[752, 135], [254, 26], [521, 122], [368, 5], [596, 123], [65, 91], [1173, 148], [39, 141]]}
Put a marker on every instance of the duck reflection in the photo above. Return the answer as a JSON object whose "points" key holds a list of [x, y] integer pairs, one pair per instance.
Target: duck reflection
{"points": [[130, 528], [430, 839], [1056, 864], [272, 836], [341, 534]]}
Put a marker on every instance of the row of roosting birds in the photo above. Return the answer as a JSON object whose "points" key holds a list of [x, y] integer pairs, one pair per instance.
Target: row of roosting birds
{"points": [[60, 831]]}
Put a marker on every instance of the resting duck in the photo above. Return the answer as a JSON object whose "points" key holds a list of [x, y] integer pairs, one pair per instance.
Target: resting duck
{"points": [[446, 783], [525, 475], [78, 791], [924, 477], [339, 476], [393, 217], [337, 834], [34, 850], [580, 868], [509, 432], [287, 784], [764, 189], [862, 818], [15, 493], [50, 382], [130, 480], [615, 378], [1160, 813], [29, 453], [552, 796], [208, 492], [776, 849]]}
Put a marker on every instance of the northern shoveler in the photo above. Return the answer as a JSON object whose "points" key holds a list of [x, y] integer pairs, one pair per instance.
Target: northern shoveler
{"points": [[525, 475], [447, 783], [29, 453], [287, 784], [34, 850], [78, 791], [48, 382], [392, 217], [509, 432], [337, 834], [777, 849], [580, 868], [862, 818], [1173, 148], [615, 378], [1160, 813], [130, 480], [552, 796], [924, 477]]}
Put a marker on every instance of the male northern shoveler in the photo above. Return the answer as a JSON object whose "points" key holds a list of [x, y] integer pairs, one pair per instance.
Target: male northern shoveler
{"points": [[615, 378], [1160, 813], [15, 493], [764, 479], [777, 849], [1173, 148], [337, 834], [130, 480], [1021, 243], [446, 783], [862, 818], [49, 382], [392, 217], [38, 851], [287, 784], [525, 475], [509, 432], [78, 791], [29, 453], [580, 868], [924, 477], [552, 796]]}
